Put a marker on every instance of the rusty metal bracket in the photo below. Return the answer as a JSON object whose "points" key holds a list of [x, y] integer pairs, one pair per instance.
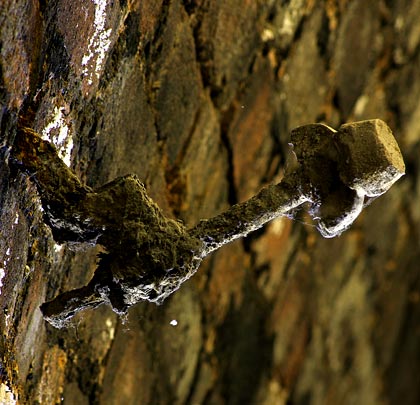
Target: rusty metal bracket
{"points": [[149, 256]]}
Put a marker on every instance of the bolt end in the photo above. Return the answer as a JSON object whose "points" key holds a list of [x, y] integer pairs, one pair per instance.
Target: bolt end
{"points": [[371, 159]]}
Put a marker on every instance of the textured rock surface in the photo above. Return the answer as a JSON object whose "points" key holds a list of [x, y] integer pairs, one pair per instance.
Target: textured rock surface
{"points": [[197, 99]]}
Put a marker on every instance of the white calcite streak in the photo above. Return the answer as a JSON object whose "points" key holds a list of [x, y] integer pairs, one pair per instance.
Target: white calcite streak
{"points": [[2, 275], [99, 43], [6, 395], [57, 132]]}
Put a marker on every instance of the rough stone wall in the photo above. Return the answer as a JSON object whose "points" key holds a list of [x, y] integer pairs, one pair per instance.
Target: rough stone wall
{"points": [[197, 98]]}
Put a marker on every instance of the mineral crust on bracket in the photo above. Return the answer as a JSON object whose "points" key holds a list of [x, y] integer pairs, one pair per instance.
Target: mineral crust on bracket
{"points": [[148, 256]]}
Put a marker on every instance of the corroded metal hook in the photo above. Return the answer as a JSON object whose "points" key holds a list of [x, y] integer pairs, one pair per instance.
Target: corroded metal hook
{"points": [[148, 256]]}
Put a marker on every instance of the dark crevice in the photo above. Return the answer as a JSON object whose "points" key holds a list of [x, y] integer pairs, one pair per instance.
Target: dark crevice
{"points": [[280, 149], [54, 55], [186, 144], [88, 161], [153, 48], [203, 51], [224, 136], [289, 266], [272, 14], [163, 18], [3, 92], [412, 168], [196, 378], [248, 242], [323, 37], [299, 30], [132, 33], [405, 354], [244, 361], [283, 53], [397, 89], [295, 395], [190, 6], [250, 67], [335, 101], [232, 194], [174, 180]]}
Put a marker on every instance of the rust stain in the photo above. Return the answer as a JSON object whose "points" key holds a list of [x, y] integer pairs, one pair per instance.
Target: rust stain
{"points": [[219, 296], [249, 135], [150, 11], [289, 371], [51, 386], [332, 14]]}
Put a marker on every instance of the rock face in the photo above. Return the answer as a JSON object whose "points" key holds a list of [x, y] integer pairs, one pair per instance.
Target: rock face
{"points": [[198, 99]]}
